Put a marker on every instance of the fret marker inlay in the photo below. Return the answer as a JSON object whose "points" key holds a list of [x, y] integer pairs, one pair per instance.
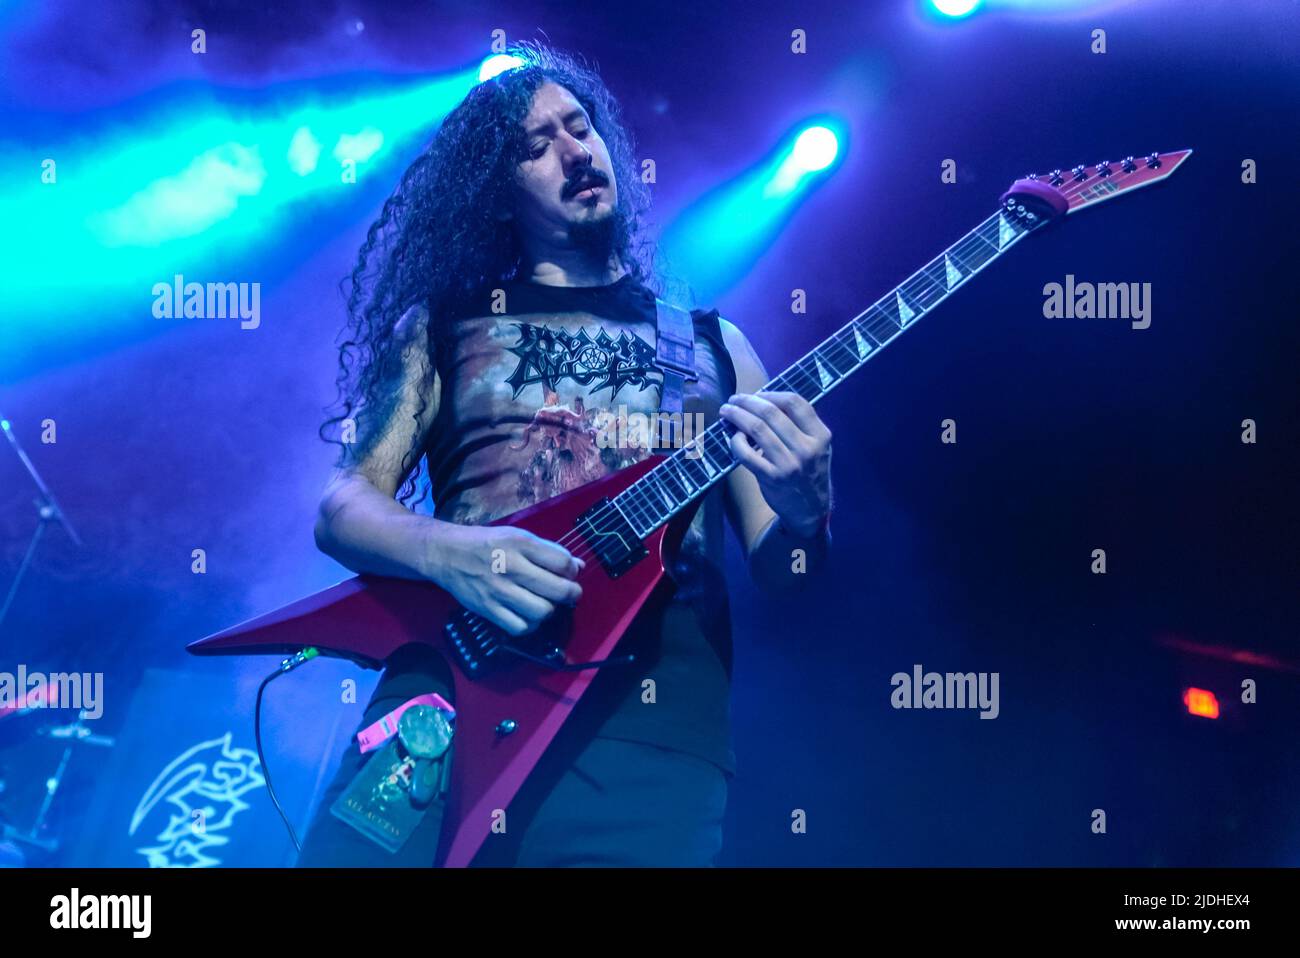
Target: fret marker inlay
{"points": [[954, 274], [905, 312], [863, 346], [703, 459], [1005, 233], [822, 374]]}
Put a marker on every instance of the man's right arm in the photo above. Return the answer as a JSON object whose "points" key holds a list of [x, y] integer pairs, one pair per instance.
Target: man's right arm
{"points": [[361, 524]]}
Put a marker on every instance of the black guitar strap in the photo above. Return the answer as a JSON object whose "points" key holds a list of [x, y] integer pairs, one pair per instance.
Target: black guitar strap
{"points": [[675, 358]]}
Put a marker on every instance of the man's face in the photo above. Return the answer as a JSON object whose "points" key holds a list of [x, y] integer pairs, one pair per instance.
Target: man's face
{"points": [[566, 178]]}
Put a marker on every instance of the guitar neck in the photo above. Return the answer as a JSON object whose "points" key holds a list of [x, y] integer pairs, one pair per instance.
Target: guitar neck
{"points": [[690, 472]]}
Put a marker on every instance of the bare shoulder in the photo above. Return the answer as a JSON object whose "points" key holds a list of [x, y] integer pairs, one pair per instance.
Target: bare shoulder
{"points": [[405, 409], [732, 337], [750, 372], [413, 326], [421, 380]]}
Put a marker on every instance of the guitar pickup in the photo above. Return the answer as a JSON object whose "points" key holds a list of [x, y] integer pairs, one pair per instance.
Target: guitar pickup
{"points": [[611, 537]]}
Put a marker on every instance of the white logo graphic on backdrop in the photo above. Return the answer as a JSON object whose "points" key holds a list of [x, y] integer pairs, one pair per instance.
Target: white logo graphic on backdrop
{"points": [[201, 788]]}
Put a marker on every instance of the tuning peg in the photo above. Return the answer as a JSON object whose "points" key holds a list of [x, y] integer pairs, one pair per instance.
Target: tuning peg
{"points": [[1153, 161], [1128, 165], [1055, 178], [1103, 168], [1080, 173]]}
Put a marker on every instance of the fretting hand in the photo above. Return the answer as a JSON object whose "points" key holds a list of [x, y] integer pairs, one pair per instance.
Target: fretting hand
{"points": [[787, 447]]}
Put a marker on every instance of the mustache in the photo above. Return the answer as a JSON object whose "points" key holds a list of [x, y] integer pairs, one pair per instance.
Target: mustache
{"points": [[584, 178]]}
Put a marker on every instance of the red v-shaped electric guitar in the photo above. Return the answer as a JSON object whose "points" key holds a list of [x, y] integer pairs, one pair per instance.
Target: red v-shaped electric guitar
{"points": [[512, 695]]}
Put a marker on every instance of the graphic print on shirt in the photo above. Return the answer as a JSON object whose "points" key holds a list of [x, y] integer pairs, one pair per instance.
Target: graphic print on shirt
{"points": [[548, 357], [569, 446]]}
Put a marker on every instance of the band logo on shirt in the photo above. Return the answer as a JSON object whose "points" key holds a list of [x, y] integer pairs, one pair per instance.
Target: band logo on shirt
{"points": [[548, 357]]}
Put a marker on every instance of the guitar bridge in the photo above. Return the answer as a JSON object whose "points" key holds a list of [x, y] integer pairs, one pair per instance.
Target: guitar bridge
{"points": [[477, 644], [480, 648]]}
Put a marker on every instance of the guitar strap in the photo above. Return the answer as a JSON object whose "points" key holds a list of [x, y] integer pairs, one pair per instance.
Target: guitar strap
{"points": [[675, 358]]}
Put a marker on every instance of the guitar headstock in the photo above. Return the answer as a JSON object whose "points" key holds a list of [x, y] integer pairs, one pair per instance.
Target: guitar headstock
{"points": [[1084, 186]]}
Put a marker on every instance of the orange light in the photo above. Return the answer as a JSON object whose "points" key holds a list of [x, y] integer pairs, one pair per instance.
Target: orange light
{"points": [[1202, 703]]}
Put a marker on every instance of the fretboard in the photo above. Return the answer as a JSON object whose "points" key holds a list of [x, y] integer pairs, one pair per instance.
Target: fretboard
{"points": [[688, 473]]}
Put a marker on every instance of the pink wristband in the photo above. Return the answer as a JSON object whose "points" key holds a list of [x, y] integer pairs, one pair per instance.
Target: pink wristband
{"points": [[380, 732]]}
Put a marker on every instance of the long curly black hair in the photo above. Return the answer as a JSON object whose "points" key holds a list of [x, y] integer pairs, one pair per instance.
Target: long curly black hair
{"points": [[440, 243]]}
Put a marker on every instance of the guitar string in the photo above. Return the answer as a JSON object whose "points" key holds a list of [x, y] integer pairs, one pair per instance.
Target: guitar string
{"points": [[962, 247], [916, 287], [966, 244], [797, 377]]}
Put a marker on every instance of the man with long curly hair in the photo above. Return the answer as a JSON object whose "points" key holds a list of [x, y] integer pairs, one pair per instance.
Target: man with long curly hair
{"points": [[502, 327]]}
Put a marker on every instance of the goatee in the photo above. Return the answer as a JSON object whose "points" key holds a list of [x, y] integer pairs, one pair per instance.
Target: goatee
{"points": [[598, 237]]}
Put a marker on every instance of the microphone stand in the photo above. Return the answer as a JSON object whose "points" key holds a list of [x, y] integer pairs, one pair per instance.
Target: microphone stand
{"points": [[47, 511], [78, 733]]}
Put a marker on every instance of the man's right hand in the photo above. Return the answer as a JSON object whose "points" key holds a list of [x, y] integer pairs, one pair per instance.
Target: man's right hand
{"points": [[505, 574]]}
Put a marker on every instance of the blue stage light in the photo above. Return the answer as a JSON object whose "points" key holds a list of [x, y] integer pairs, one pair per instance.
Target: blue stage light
{"points": [[717, 240], [498, 63], [955, 8], [304, 152], [187, 182], [359, 146], [816, 149]]}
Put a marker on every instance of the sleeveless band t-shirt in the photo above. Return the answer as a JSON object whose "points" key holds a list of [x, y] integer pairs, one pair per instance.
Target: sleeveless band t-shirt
{"points": [[542, 398]]}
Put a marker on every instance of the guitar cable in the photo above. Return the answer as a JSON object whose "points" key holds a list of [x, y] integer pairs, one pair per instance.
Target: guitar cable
{"points": [[288, 665]]}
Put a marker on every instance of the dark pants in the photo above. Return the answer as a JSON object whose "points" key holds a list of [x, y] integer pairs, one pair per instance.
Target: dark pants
{"points": [[590, 801]]}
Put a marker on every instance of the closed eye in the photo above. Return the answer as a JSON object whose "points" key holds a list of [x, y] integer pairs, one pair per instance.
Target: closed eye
{"points": [[537, 151]]}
